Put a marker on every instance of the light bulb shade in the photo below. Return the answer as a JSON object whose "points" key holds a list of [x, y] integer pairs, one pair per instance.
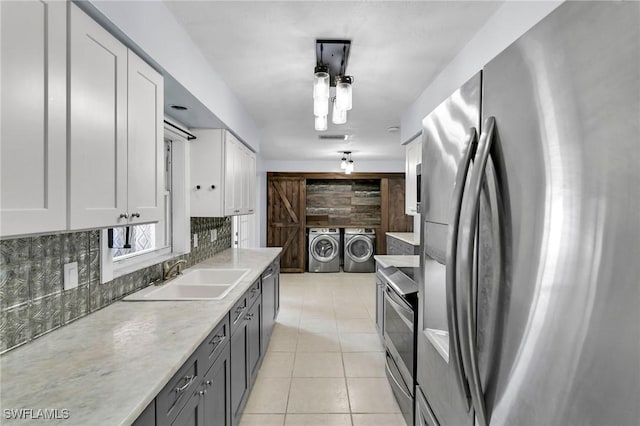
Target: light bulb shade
{"points": [[344, 95], [343, 164], [320, 107], [321, 123], [320, 85], [338, 116], [349, 168]]}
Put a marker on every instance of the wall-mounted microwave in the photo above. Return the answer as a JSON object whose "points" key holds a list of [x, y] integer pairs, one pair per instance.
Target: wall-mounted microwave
{"points": [[418, 186]]}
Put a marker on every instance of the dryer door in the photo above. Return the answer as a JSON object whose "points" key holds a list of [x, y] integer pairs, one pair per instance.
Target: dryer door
{"points": [[360, 248], [324, 248]]}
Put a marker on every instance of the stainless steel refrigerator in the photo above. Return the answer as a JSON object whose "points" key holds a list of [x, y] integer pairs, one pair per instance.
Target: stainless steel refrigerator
{"points": [[529, 307]]}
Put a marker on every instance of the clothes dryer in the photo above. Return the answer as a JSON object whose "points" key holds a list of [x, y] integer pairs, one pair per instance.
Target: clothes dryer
{"points": [[359, 248]]}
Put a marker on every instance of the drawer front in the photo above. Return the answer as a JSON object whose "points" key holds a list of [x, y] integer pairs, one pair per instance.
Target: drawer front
{"points": [[254, 292], [179, 390], [237, 313], [215, 343]]}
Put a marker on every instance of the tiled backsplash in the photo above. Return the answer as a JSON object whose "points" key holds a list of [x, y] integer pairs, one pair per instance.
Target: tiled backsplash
{"points": [[32, 299]]}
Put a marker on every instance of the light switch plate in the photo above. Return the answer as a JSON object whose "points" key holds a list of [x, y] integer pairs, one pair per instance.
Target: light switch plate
{"points": [[214, 235], [195, 240], [70, 275]]}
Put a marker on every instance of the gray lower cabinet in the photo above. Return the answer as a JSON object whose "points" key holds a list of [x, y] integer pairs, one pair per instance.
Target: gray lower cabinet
{"points": [[246, 352], [270, 301], [239, 376], [399, 247], [212, 386], [217, 390]]}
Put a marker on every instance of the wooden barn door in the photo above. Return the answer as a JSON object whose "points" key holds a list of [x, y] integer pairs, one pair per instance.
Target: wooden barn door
{"points": [[286, 214]]}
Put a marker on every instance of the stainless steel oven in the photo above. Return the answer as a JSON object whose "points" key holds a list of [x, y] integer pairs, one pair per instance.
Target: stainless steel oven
{"points": [[400, 315]]}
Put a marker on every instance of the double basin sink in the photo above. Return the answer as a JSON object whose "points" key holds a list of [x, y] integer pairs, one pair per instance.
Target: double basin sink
{"points": [[193, 284]]}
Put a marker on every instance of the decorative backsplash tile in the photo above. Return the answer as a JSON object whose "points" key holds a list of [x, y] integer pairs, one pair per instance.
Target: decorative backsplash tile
{"points": [[32, 299]]}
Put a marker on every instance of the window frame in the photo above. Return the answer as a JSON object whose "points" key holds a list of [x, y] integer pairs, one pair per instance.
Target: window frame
{"points": [[180, 218]]}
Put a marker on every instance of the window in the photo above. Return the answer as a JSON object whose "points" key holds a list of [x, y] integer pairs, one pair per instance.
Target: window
{"points": [[129, 248]]}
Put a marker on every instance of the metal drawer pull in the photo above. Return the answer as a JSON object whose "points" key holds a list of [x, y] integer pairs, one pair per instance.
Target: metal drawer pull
{"points": [[135, 214], [202, 392], [124, 216], [209, 383], [189, 380], [216, 339], [239, 312], [249, 317]]}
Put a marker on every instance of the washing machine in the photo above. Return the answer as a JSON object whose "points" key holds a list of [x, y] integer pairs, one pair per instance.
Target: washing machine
{"points": [[359, 248], [324, 250]]}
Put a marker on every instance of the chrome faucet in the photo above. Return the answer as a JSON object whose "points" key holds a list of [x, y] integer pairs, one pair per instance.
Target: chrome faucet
{"points": [[171, 271]]}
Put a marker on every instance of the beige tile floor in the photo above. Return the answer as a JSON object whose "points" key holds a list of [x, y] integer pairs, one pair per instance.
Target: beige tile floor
{"points": [[325, 363]]}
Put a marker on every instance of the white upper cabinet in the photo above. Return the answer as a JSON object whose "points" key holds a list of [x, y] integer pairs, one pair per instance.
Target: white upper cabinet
{"points": [[145, 142], [222, 175], [115, 123], [413, 158], [33, 152]]}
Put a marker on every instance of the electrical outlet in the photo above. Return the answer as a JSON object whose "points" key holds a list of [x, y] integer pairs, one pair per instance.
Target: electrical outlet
{"points": [[195, 240], [70, 275], [214, 235]]}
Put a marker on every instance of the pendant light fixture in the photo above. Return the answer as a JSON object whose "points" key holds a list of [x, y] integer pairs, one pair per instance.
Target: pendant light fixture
{"points": [[321, 123], [346, 163], [343, 92], [331, 73], [338, 116]]}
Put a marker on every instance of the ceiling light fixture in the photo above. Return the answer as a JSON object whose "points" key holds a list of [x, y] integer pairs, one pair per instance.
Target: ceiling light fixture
{"points": [[346, 163], [331, 73]]}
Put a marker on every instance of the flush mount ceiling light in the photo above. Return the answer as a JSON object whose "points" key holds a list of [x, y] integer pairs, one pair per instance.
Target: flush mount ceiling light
{"points": [[331, 65], [346, 163]]}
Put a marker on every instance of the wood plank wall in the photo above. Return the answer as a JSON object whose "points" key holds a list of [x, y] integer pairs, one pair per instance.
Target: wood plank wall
{"points": [[346, 203]]}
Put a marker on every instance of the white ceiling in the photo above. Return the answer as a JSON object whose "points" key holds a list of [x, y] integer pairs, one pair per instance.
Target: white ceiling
{"points": [[265, 51]]}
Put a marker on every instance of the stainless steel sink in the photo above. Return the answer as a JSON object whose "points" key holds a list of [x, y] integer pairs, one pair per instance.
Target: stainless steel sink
{"points": [[194, 284]]}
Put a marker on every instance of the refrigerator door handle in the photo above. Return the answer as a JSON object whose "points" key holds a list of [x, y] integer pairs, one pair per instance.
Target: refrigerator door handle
{"points": [[468, 237], [452, 248]]}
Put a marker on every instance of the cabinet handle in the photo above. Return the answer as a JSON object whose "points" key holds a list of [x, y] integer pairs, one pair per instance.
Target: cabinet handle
{"points": [[213, 187], [209, 382], [236, 211], [135, 215], [202, 392], [239, 312], [189, 380], [248, 317], [197, 186], [124, 216], [216, 339]]}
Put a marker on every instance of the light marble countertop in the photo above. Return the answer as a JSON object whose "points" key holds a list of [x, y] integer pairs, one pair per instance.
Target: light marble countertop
{"points": [[107, 367], [407, 237], [400, 261]]}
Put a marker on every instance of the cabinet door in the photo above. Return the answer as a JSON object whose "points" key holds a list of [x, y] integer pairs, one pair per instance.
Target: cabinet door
{"points": [[217, 384], [145, 177], [232, 176], [254, 318], [33, 125], [207, 156], [97, 125], [413, 158], [239, 377], [249, 185], [268, 305], [193, 412]]}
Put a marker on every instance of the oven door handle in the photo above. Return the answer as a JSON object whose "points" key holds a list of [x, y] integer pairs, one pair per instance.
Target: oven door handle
{"points": [[405, 313], [452, 252], [393, 377]]}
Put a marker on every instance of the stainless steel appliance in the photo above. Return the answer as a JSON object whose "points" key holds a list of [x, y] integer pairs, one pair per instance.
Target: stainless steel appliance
{"points": [[400, 316], [529, 311], [359, 248], [324, 250], [418, 186]]}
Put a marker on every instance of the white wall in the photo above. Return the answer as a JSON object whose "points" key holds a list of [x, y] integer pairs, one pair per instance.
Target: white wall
{"points": [[508, 23], [151, 26]]}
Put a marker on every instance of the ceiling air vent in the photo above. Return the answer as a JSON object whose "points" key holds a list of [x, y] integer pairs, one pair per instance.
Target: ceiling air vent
{"points": [[333, 137]]}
